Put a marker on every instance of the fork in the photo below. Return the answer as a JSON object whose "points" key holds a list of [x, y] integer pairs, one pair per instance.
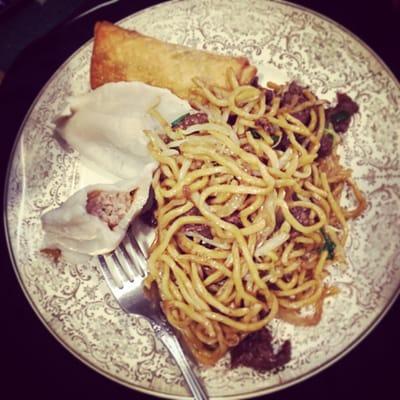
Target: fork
{"points": [[124, 271]]}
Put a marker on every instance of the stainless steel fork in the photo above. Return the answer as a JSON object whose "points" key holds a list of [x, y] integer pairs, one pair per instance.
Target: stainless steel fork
{"points": [[125, 270]]}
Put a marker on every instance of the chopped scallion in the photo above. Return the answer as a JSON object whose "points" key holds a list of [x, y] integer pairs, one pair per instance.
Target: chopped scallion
{"points": [[176, 122], [329, 245], [255, 134], [275, 138]]}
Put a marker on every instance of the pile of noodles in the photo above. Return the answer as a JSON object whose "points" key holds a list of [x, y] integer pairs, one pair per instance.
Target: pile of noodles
{"points": [[216, 289]]}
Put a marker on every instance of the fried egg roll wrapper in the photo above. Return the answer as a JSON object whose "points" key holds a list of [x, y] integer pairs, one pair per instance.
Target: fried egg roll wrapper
{"points": [[125, 55]]}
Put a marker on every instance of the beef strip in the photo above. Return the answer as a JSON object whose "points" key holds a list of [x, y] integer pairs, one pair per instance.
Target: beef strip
{"points": [[303, 116], [295, 90], [193, 211], [302, 215], [340, 115], [266, 125], [254, 82], [279, 219], [234, 219], [256, 351], [269, 96], [284, 143], [192, 119], [232, 119], [202, 229], [326, 145]]}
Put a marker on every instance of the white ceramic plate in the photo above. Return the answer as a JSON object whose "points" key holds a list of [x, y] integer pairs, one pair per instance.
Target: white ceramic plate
{"points": [[286, 42]]}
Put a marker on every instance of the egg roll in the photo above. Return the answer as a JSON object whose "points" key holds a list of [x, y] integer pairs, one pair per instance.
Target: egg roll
{"points": [[126, 55]]}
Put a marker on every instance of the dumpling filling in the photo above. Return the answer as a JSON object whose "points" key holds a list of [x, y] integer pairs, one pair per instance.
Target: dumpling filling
{"points": [[94, 220], [110, 207]]}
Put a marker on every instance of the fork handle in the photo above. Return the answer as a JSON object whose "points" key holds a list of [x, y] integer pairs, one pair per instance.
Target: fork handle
{"points": [[171, 342]]}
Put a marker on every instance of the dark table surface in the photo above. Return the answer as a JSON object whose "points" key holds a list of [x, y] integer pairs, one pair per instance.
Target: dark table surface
{"points": [[36, 365]]}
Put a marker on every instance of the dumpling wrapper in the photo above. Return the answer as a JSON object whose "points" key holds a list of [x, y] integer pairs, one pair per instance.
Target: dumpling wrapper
{"points": [[79, 234], [106, 125]]}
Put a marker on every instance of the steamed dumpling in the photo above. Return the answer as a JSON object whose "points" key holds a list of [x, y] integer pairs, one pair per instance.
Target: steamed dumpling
{"points": [[106, 125], [95, 219]]}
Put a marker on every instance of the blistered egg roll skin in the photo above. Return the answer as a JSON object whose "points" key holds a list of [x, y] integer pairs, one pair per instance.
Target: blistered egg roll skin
{"points": [[124, 55]]}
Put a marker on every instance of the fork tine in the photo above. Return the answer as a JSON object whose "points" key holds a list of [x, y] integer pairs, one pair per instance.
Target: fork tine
{"points": [[120, 265], [140, 244], [138, 253], [127, 262], [131, 254], [113, 279], [130, 296]]}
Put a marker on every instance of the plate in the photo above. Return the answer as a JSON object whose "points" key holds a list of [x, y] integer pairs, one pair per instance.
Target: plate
{"points": [[286, 42]]}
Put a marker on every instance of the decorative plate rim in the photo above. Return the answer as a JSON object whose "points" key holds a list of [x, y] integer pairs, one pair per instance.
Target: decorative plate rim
{"points": [[108, 375]]}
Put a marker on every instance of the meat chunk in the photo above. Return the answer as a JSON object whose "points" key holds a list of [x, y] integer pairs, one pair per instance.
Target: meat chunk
{"points": [[294, 234], [303, 116], [234, 219], [284, 143], [269, 95], [193, 211], [265, 124], [294, 89], [186, 192], [54, 254], [232, 119], [254, 82], [326, 146], [340, 115], [203, 230], [110, 207], [279, 219], [294, 93], [302, 215], [192, 119], [256, 351]]}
